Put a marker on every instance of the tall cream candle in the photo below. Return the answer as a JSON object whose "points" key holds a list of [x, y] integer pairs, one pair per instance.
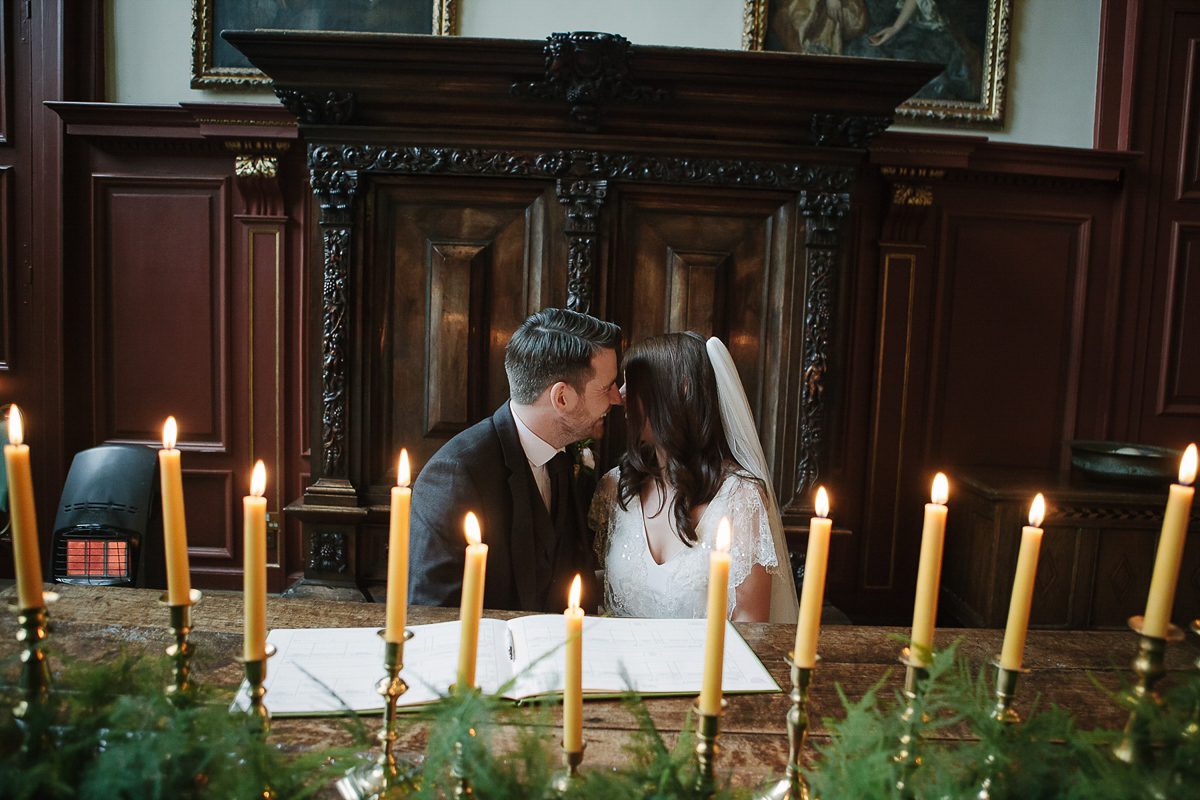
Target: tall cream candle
{"points": [[1170, 549], [397, 580], [929, 572], [254, 597], [27, 559], [471, 609], [1022, 593], [812, 596], [170, 478], [573, 685], [718, 603]]}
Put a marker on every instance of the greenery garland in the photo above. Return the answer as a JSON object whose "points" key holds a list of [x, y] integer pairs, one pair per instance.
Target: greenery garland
{"points": [[107, 731]]}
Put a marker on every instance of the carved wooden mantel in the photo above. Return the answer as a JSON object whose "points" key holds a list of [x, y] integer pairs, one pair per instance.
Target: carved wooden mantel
{"points": [[661, 188]]}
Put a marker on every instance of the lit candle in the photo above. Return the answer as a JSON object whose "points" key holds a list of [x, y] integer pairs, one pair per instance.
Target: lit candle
{"points": [[812, 596], [397, 580], [1022, 593], [26, 556], [573, 688], [254, 524], [1170, 549], [714, 642], [472, 602], [179, 582], [929, 572]]}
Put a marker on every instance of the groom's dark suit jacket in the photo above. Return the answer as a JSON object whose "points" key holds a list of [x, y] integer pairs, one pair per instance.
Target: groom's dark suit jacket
{"points": [[529, 567]]}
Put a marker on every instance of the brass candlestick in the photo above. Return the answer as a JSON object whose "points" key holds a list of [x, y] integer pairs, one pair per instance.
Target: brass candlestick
{"points": [[33, 627], [708, 727], [385, 778], [1135, 747], [565, 777], [916, 673], [1193, 727], [256, 674], [1006, 690], [458, 772], [181, 651], [792, 786]]}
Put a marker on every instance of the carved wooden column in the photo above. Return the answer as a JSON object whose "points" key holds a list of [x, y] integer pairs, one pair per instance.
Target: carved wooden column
{"points": [[583, 199], [823, 212]]}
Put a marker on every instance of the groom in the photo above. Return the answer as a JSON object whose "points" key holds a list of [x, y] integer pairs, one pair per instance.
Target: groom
{"points": [[512, 471]]}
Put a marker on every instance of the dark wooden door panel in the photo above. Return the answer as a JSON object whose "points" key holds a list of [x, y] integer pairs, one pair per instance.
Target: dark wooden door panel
{"points": [[711, 262], [461, 264]]}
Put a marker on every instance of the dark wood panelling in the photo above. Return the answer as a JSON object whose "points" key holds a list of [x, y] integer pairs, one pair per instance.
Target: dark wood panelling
{"points": [[457, 273], [161, 317], [209, 496], [6, 93], [1010, 339], [461, 265], [1189, 167], [6, 265], [1179, 376], [700, 261]]}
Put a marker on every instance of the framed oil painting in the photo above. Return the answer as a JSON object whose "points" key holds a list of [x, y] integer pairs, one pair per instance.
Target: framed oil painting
{"points": [[215, 63], [970, 37]]}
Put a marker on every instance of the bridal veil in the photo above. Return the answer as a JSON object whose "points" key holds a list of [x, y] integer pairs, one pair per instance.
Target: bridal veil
{"points": [[743, 440]]}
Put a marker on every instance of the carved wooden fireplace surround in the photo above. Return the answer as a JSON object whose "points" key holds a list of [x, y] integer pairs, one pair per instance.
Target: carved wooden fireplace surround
{"points": [[464, 183]]}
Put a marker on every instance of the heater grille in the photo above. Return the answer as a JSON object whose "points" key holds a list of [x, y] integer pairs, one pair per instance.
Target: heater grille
{"points": [[98, 559]]}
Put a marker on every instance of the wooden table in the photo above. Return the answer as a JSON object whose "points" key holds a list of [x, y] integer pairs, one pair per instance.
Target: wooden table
{"points": [[92, 623]]}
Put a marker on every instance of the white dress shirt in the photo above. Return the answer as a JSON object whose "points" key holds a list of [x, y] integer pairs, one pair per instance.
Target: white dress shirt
{"points": [[538, 452]]}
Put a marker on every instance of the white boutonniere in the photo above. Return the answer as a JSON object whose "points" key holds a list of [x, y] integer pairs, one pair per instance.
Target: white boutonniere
{"points": [[583, 457]]}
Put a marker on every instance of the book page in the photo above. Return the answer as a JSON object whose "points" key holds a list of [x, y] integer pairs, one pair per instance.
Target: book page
{"points": [[330, 670], [651, 656]]}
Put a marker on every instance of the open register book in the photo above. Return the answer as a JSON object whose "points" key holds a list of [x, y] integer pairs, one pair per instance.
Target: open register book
{"points": [[330, 670]]}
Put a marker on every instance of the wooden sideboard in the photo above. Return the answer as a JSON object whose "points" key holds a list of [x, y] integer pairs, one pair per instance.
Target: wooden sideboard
{"points": [[1097, 551]]}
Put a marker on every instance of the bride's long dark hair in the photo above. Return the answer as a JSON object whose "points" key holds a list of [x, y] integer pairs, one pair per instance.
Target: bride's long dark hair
{"points": [[669, 383]]}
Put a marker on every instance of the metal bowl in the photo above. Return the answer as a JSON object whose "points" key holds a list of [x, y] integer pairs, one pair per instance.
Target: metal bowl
{"points": [[1124, 461]]}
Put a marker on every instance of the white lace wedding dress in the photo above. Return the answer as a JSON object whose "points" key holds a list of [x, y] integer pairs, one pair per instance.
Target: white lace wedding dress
{"points": [[635, 585]]}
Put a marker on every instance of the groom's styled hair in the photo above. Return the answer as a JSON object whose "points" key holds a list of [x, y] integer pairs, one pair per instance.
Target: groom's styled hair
{"points": [[554, 345]]}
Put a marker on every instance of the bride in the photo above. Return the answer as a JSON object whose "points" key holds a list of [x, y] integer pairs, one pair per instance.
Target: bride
{"points": [[693, 457]]}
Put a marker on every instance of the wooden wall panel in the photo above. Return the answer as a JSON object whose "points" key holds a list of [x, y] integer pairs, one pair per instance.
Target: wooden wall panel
{"points": [[462, 263], [1179, 367], [161, 318], [210, 515], [700, 261], [1189, 167], [6, 265], [1010, 340]]}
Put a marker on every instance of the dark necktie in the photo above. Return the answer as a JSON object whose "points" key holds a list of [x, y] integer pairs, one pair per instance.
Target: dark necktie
{"points": [[562, 496]]}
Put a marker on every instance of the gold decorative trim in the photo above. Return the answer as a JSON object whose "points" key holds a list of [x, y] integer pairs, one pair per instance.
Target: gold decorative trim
{"points": [[206, 75], [904, 194], [986, 112], [256, 166], [912, 172]]}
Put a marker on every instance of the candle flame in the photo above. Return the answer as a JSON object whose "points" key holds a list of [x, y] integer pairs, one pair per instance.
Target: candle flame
{"points": [[471, 525], [1187, 466], [258, 480], [16, 431], [1037, 511], [941, 489], [822, 504], [724, 536], [170, 434], [576, 590], [403, 474]]}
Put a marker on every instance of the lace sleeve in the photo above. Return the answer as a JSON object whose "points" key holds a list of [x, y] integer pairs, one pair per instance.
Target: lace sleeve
{"points": [[745, 505], [600, 514]]}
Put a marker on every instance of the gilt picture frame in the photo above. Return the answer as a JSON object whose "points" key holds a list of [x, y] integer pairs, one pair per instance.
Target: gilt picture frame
{"points": [[971, 37], [216, 64]]}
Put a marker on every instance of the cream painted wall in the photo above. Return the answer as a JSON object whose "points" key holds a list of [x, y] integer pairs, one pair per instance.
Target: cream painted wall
{"points": [[1052, 63]]}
